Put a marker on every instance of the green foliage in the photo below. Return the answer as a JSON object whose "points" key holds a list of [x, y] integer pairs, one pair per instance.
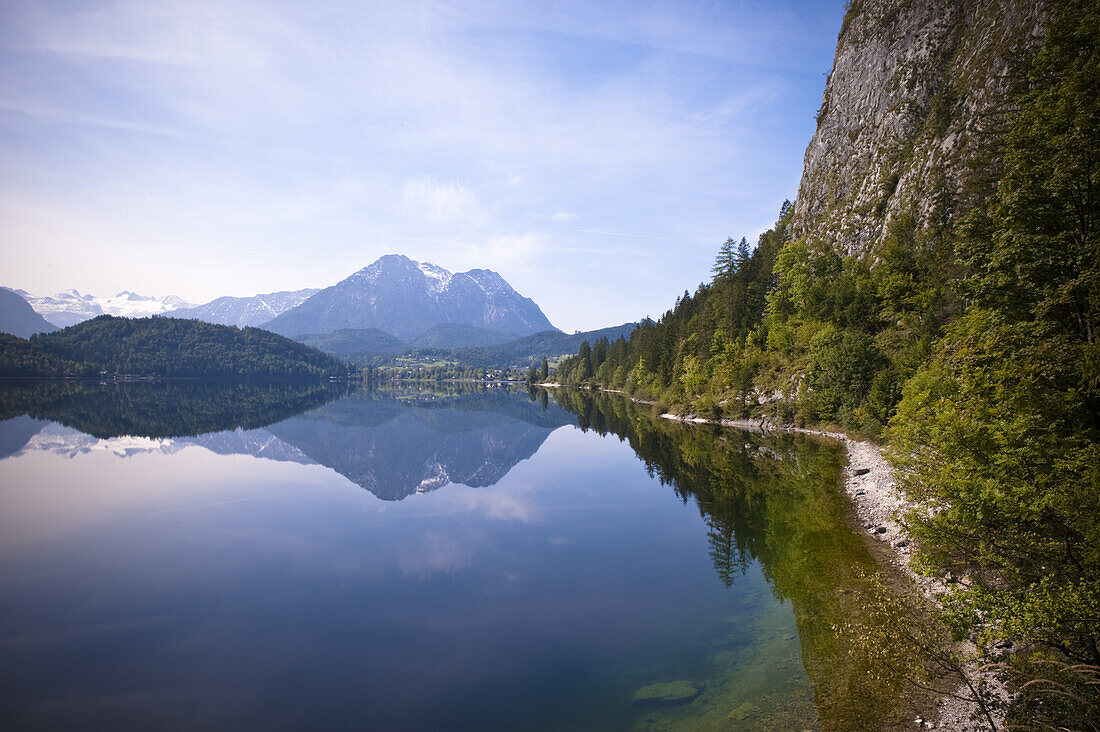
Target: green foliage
{"points": [[995, 436], [165, 347], [21, 357], [706, 346], [790, 328], [998, 434], [1036, 249]]}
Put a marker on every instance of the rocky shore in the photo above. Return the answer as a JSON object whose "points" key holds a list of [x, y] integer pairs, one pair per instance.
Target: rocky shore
{"points": [[870, 484]]}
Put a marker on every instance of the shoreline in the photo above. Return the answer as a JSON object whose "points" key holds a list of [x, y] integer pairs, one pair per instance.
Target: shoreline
{"points": [[868, 481], [871, 488]]}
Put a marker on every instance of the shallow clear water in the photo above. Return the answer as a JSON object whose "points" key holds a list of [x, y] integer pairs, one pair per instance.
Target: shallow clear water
{"points": [[182, 556]]}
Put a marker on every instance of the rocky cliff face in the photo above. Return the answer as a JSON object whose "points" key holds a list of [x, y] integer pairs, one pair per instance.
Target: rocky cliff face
{"points": [[912, 116]]}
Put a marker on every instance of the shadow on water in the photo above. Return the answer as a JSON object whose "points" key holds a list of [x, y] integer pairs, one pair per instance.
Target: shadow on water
{"points": [[772, 500], [161, 409]]}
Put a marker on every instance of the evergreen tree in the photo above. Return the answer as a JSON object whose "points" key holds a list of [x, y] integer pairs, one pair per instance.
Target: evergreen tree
{"points": [[725, 269], [725, 264], [584, 362], [743, 254]]}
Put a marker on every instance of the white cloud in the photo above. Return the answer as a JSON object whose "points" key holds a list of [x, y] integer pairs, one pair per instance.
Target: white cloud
{"points": [[562, 216], [506, 253]]}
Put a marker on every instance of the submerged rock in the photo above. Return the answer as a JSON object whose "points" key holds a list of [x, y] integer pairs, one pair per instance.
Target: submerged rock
{"points": [[668, 693]]}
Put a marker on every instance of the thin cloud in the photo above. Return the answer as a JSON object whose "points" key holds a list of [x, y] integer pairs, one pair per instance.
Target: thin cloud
{"points": [[585, 250], [618, 233], [62, 116]]}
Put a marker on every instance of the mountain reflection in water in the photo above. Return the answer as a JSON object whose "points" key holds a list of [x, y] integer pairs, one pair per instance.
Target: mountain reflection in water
{"points": [[395, 442], [545, 602]]}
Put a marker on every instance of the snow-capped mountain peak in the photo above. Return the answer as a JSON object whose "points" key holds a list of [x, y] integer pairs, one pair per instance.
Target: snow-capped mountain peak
{"points": [[437, 276], [405, 298], [243, 311], [70, 307]]}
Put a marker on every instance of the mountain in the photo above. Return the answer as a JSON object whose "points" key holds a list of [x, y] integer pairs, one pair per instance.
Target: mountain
{"points": [[355, 344], [404, 298], [71, 307], [18, 318], [458, 335], [16, 432], [363, 345], [913, 117], [398, 448], [164, 347], [245, 311]]}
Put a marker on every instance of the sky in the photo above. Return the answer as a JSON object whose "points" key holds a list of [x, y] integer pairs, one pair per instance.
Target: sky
{"points": [[596, 154]]}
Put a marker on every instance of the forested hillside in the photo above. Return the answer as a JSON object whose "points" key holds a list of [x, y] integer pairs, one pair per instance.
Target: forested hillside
{"points": [[163, 409], [163, 347], [967, 343], [522, 352]]}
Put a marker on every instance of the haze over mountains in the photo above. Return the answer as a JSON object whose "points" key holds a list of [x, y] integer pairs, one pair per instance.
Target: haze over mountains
{"points": [[71, 307]]}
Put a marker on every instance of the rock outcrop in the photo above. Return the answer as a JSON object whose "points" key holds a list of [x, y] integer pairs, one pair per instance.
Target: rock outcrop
{"points": [[910, 124]]}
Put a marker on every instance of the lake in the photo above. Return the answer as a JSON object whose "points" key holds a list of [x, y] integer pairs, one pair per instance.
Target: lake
{"points": [[185, 555]]}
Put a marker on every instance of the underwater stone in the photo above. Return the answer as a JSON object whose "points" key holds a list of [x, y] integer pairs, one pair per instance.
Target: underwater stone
{"points": [[667, 693]]}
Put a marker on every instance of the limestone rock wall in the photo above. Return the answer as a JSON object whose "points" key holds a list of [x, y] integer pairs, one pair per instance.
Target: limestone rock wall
{"points": [[912, 116]]}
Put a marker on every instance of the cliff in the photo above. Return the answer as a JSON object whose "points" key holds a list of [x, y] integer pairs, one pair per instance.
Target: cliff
{"points": [[914, 109]]}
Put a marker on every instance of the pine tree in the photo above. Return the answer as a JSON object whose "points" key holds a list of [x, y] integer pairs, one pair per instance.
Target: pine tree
{"points": [[584, 362], [743, 254], [730, 258], [725, 264]]}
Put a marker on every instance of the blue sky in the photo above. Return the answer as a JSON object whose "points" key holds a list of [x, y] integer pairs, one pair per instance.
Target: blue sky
{"points": [[595, 154]]}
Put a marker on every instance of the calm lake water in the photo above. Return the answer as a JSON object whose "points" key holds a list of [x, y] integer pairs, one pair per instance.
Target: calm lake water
{"points": [[291, 557]]}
